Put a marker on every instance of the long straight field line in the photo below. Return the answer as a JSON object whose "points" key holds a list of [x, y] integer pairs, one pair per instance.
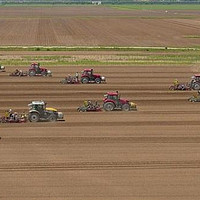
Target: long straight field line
{"points": [[94, 48], [157, 7], [120, 7], [44, 5]]}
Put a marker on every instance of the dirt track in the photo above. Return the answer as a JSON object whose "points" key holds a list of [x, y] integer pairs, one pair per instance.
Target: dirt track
{"points": [[149, 154]]}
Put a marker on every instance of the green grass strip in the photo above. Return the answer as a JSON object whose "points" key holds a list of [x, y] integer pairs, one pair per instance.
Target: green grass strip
{"points": [[157, 7], [93, 60], [95, 48]]}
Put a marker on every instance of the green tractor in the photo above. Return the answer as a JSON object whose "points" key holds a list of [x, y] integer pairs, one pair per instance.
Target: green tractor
{"points": [[39, 112]]}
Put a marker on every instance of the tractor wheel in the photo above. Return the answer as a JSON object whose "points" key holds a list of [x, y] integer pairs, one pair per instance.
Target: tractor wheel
{"points": [[196, 86], [192, 99], [171, 87], [108, 106], [43, 73], [32, 73], [34, 117], [98, 80], [82, 109], [84, 80], [52, 118], [126, 107]]}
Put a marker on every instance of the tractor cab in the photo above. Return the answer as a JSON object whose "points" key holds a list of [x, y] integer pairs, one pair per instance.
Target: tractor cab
{"points": [[196, 77], [88, 73], [38, 106], [114, 96], [35, 66]]}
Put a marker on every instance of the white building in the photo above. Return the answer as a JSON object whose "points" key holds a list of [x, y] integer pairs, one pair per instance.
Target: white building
{"points": [[96, 2]]}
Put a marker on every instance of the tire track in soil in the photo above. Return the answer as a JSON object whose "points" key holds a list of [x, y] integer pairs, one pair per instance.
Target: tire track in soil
{"points": [[97, 140], [98, 166]]}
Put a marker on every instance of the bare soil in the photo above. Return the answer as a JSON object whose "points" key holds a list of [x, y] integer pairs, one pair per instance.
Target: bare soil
{"points": [[91, 26], [150, 154]]}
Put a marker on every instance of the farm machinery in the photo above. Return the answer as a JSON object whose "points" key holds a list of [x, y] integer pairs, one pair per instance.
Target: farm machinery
{"points": [[195, 98], [2, 68], [89, 106], [13, 117], [195, 82], [36, 70], [113, 101], [18, 72], [70, 80], [88, 76], [39, 112], [179, 86]]}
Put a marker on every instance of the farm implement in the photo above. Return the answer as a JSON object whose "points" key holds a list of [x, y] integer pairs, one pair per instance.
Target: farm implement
{"points": [[18, 72], [89, 106], [70, 80], [179, 86], [13, 117]]}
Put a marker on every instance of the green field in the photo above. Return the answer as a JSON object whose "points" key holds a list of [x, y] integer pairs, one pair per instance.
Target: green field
{"points": [[156, 57], [116, 6], [157, 7]]}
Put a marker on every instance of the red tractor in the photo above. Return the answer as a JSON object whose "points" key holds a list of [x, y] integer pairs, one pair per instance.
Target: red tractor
{"points": [[112, 101], [88, 76], [36, 70], [195, 82]]}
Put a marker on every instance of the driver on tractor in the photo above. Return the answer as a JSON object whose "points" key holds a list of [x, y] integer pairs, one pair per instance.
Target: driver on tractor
{"points": [[36, 66], [77, 77], [176, 82], [16, 72], [69, 78]]}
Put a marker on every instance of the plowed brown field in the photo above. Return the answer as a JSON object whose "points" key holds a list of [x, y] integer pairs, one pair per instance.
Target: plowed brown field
{"points": [[149, 154], [89, 26]]}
